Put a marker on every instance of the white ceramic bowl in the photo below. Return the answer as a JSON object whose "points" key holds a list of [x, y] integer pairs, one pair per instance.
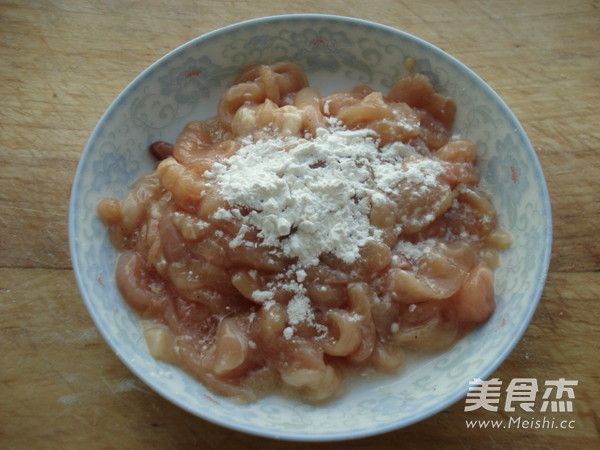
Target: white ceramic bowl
{"points": [[337, 53]]}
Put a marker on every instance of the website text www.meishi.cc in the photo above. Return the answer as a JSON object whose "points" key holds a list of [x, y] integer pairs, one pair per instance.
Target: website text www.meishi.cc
{"points": [[523, 423], [521, 395]]}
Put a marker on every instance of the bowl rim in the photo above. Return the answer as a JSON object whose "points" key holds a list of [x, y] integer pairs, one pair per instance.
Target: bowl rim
{"points": [[293, 435]]}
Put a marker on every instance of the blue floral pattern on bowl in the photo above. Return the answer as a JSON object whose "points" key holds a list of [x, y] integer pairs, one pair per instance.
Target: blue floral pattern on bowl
{"points": [[337, 53]]}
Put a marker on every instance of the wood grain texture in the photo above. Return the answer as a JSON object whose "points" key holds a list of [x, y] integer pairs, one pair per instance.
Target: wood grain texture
{"points": [[62, 62]]}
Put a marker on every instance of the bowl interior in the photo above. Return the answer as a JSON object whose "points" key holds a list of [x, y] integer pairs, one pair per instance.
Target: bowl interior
{"points": [[336, 53]]}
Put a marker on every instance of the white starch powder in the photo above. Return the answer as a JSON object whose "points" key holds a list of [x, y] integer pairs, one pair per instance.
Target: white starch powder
{"points": [[310, 197], [313, 196]]}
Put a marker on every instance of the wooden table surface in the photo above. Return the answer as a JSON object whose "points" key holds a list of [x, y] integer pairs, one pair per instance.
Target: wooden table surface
{"points": [[62, 62]]}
